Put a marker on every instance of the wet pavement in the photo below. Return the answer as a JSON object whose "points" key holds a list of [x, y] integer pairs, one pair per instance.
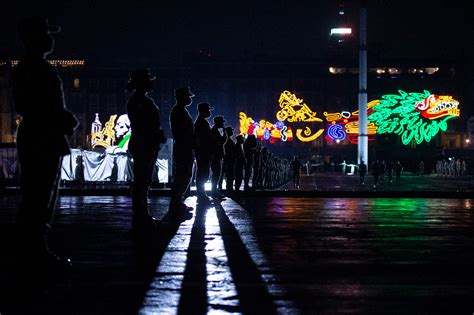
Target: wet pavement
{"points": [[255, 255]]}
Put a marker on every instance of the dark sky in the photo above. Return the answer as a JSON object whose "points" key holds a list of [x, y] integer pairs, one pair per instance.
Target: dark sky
{"points": [[164, 31]]}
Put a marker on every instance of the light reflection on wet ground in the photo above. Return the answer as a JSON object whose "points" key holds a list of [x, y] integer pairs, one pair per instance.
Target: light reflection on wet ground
{"points": [[282, 255]]}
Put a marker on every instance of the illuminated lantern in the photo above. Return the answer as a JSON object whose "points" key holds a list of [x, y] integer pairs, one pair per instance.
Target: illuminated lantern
{"points": [[336, 132], [414, 116]]}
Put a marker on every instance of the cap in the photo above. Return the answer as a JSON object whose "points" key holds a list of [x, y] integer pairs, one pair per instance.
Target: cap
{"points": [[203, 107], [227, 129]]}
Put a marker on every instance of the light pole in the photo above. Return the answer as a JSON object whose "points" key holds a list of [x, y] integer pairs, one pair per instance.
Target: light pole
{"points": [[362, 144]]}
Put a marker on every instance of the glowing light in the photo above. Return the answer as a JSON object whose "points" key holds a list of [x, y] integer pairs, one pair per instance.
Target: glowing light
{"points": [[307, 137], [350, 122], [404, 114], [64, 63], [341, 31], [336, 132], [294, 109], [265, 130]]}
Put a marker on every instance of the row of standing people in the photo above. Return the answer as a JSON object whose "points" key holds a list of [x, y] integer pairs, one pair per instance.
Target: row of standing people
{"points": [[379, 169], [451, 168], [38, 98]]}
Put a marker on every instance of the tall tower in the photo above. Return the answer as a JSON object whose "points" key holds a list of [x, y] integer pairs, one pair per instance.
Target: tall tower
{"points": [[95, 127]]}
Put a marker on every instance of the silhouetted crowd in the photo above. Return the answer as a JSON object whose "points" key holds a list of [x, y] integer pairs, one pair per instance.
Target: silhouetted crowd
{"points": [[39, 99]]}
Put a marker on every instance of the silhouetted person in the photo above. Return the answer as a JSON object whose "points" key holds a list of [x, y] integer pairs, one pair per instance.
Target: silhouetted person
{"points": [[205, 145], [422, 168], [182, 129], [296, 167], [383, 169], [230, 152], [376, 172], [362, 171], [79, 170], [398, 168], [390, 171], [239, 161], [41, 140], [249, 150], [144, 145], [219, 138]]}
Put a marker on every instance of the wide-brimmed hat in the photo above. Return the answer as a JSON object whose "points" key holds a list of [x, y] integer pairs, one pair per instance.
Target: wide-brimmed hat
{"points": [[204, 107], [183, 91], [34, 26], [228, 129], [141, 75]]}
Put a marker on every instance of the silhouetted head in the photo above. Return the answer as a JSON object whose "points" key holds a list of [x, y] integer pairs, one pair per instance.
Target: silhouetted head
{"points": [[219, 121], [251, 141], [239, 139], [295, 157], [229, 131], [183, 96], [35, 34], [204, 109], [141, 80]]}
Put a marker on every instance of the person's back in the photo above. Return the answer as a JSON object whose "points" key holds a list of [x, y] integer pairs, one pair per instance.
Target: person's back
{"points": [[296, 166], [145, 122], [375, 168], [41, 139], [204, 148]]}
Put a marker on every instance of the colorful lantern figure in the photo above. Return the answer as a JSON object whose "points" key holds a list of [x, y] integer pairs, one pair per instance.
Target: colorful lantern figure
{"points": [[336, 132], [265, 130], [414, 116], [294, 109], [349, 125]]}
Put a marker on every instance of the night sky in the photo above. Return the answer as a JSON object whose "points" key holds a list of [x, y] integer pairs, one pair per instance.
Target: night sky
{"points": [[161, 31]]}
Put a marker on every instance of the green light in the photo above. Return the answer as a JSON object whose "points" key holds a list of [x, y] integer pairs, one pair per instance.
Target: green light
{"points": [[396, 113]]}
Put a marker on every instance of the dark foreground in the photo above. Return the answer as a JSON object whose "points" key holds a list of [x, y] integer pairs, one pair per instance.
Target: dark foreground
{"points": [[255, 256]]}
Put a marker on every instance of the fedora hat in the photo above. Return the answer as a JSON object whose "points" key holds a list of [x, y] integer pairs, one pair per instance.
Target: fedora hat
{"points": [[34, 26], [204, 107], [183, 91], [142, 75]]}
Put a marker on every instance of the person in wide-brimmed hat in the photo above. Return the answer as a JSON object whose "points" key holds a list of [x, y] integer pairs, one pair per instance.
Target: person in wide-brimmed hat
{"points": [[219, 139], [229, 159], [182, 129], [145, 141], [204, 150], [41, 142]]}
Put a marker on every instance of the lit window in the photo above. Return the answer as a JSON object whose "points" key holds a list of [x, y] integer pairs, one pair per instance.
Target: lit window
{"points": [[77, 83], [334, 70], [394, 71], [431, 70]]}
